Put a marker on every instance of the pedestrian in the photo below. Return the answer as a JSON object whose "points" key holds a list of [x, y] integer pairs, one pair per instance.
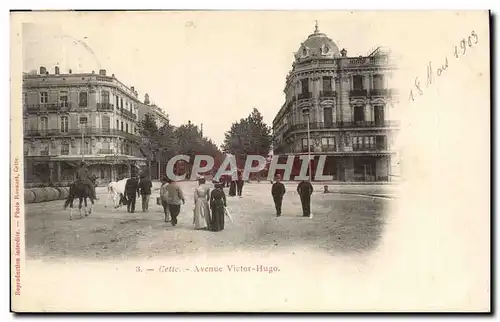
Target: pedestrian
{"points": [[305, 190], [201, 211], [217, 207], [145, 186], [278, 191], [240, 183], [175, 198], [232, 187], [132, 193], [164, 198]]}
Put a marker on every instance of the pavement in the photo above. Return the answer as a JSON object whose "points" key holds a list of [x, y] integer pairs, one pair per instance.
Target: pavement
{"points": [[349, 220]]}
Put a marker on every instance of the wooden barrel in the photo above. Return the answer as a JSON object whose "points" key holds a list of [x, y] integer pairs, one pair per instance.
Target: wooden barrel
{"points": [[29, 196], [64, 192], [55, 193], [40, 194]]}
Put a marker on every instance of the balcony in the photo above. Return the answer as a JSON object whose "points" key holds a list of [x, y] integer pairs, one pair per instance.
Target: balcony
{"points": [[89, 131], [340, 125], [327, 94], [373, 147], [106, 151], [105, 106], [304, 96], [129, 114], [358, 93], [379, 92], [48, 108]]}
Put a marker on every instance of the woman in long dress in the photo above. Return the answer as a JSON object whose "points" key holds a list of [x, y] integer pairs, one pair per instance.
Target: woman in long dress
{"points": [[217, 205], [201, 213], [232, 188]]}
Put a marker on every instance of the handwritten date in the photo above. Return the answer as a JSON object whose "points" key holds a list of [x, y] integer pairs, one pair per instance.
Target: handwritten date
{"points": [[459, 50]]}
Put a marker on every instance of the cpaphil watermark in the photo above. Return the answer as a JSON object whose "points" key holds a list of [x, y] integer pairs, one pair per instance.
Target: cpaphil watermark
{"points": [[230, 168]]}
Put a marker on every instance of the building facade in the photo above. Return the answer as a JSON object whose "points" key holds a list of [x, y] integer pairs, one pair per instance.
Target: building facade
{"points": [[73, 117], [346, 104], [147, 108]]}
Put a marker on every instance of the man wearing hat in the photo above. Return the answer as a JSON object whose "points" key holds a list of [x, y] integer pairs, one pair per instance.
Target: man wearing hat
{"points": [[278, 191], [84, 176]]}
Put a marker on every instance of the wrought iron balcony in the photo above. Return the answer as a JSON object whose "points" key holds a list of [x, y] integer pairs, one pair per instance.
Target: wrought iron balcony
{"points": [[303, 96], [52, 107], [370, 147], [327, 94], [89, 131], [358, 93], [339, 125], [106, 151], [379, 92], [105, 106]]}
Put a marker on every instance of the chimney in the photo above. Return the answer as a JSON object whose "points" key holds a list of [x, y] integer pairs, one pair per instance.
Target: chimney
{"points": [[57, 70], [43, 70], [146, 99], [343, 52], [70, 71], [132, 88], [102, 72], [93, 72]]}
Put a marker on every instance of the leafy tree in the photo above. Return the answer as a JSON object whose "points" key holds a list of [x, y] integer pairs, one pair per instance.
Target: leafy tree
{"points": [[249, 136]]}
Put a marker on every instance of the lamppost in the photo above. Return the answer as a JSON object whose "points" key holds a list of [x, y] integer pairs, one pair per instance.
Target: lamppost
{"points": [[82, 127], [307, 114]]}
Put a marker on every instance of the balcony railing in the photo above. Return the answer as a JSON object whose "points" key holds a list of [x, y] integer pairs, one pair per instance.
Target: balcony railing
{"points": [[129, 114], [327, 94], [106, 151], [373, 147], [358, 93], [52, 107], [89, 131], [379, 92], [340, 125], [303, 96], [105, 106]]}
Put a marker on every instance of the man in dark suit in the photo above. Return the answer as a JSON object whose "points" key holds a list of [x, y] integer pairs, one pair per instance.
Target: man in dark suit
{"points": [[132, 193], [145, 186], [305, 190], [239, 183], [277, 191]]}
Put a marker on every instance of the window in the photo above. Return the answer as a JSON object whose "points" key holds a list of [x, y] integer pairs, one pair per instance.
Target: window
{"points": [[25, 98], [305, 86], [65, 149], [359, 114], [44, 150], [63, 99], [26, 149], [126, 127], [363, 142], [64, 124], [117, 102], [304, 145], [328, 142], [121, 126], [328, 116], [126, 105], [105, 97], [327, 84], [44, 97], [44, 124], [82, 99], [83, 120], [357, 82], [378, 81], [102, 173], [121, 103], [117, 124]]}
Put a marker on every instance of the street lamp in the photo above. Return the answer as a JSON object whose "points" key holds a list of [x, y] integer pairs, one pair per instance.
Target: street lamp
{"points": [[307, 114], [83, 124]]}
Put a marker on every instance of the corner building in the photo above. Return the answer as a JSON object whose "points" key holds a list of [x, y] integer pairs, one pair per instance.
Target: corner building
{"points": [[347, 101], [69, 117]]}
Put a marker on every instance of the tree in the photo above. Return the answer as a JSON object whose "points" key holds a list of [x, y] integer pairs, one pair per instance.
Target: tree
{"points": [[249, 136]]}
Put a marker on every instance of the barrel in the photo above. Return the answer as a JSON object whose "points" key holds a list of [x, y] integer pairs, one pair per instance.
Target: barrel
{"points": [[29, 196], [63, 192], [39, 194], [56, 193]]}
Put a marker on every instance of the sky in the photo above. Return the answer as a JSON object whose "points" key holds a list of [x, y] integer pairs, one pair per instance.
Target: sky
{"points": [[212, 67]]}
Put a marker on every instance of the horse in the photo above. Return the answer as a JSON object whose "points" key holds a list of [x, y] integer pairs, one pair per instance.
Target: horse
{"points": [[78, 190], [116, 192]]}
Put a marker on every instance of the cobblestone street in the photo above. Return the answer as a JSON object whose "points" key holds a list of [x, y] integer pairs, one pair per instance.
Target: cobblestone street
{"points": [[341, 223]]}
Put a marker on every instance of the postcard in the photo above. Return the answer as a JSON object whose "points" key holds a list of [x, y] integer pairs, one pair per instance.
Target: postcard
{"points": [[250, 161]]}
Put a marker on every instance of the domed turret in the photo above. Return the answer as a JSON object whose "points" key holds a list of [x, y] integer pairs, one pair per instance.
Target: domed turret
{"points": [[317, 45]]}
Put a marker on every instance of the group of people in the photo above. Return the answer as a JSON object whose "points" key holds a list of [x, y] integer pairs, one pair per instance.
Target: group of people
{"points": [[209, 206], [136, 188], [304, 189]]}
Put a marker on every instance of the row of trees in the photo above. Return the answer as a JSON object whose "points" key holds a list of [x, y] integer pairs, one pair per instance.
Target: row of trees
{"points": [[249, 136]]}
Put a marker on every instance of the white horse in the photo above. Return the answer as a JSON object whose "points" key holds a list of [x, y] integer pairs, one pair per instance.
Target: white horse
{"points": [[116, 192]]}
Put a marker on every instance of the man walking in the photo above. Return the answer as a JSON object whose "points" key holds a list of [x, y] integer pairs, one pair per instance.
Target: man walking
{"points": [[277, 191], [131, 191], [240, 183], [305, 190], [145, 186], [175, 198], [164, 198]]}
